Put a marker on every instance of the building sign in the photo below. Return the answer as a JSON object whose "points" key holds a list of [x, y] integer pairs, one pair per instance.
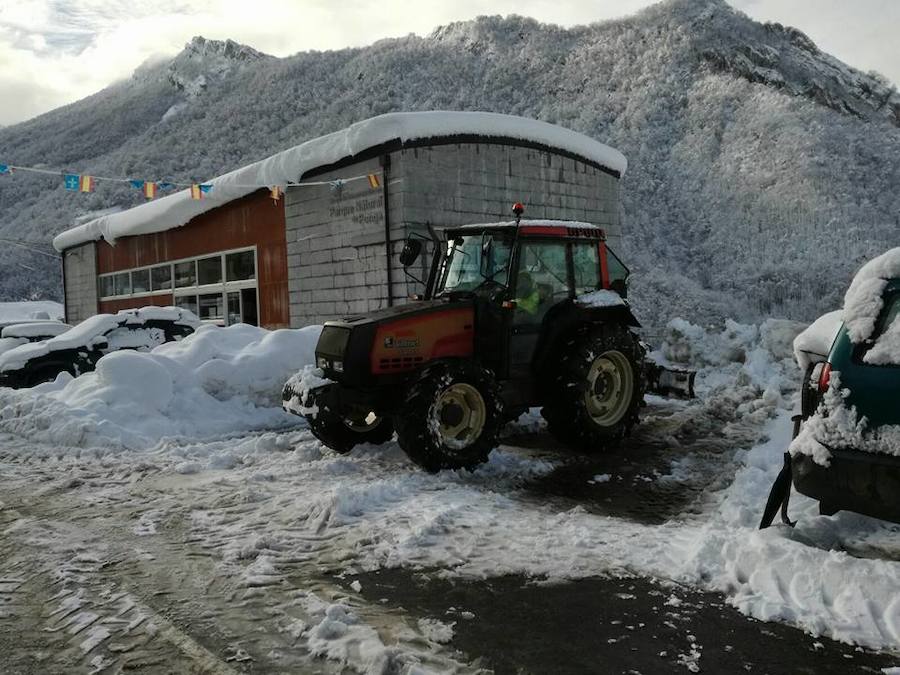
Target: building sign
{"points": [[356, 202]]}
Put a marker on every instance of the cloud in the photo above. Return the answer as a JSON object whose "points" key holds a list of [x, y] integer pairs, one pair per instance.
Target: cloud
{"points": [[53, 52]]}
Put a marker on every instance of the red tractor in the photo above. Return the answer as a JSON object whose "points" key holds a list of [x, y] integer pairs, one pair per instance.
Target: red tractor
{"points": [[515, 315]]}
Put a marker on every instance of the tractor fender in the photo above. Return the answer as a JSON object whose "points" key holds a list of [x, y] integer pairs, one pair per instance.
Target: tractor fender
{"points": [[567, 318]]}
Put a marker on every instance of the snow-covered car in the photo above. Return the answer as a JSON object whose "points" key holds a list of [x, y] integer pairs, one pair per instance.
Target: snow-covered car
{"points": [[846, 453], [76, 350], [17, 333]]}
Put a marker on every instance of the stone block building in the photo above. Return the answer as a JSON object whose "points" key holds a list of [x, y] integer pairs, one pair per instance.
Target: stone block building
{"points": [[329, 246]]}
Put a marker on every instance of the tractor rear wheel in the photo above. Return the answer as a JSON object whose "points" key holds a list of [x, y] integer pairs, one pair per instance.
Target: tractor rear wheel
{"points": [[342, 434], [451, 416], [596, 390]]}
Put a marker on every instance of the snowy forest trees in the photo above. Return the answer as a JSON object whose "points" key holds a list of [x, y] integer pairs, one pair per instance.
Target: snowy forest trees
{"points": [[762, 172]]}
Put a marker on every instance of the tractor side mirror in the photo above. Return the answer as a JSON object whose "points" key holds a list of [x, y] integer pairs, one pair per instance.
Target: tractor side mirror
{"points": [[412, 249]]}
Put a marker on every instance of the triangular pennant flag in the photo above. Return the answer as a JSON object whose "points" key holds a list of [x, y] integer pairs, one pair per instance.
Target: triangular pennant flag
{"points": [[86, 184], [373, 181], [199, 190], [72, 181], [276, 193], [165, 185], [5, 170], [149, 189], [137, 184]]}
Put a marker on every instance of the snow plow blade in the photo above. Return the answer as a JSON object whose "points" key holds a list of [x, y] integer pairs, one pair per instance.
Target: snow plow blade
{"points": [[677, 382]]}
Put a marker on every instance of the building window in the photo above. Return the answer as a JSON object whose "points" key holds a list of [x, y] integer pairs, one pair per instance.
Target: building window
{"points": [[186, 274], [188, 302], [212, 308], [140, 281], [161, 277], [240, 266], [107, 287], [122, 283], [218, 288], [209, 270]]}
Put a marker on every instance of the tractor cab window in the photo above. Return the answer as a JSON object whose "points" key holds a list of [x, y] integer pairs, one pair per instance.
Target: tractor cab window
{"points": [[542, 281], [474, 259], [616, 269], [586, 264]]}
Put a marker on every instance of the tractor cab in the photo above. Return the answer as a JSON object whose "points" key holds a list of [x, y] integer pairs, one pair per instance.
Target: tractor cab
{"points": [[525, 280]]}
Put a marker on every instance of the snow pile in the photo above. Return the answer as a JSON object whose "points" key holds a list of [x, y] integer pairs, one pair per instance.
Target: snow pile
{"points": [[215, 381], [814, 344], [31, 309], [759, 356], [288, 166], [863, 301], [886, 350]]}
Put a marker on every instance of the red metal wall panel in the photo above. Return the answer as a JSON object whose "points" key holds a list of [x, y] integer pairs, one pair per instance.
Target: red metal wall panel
{"points": [[255, 220]]}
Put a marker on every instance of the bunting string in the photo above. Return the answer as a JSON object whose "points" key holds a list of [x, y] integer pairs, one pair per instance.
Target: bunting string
{"points": [[74, 182]]}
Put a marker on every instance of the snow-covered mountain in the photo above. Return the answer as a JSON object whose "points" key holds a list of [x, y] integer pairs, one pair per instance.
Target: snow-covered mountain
{"points": [[762, 171]]}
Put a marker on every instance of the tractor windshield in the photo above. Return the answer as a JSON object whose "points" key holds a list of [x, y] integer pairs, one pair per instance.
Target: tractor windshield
{"points": [[474, 259]]}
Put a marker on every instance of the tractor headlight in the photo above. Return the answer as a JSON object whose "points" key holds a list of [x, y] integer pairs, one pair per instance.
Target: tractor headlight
{"points": [[338, 366], [321, 362]]}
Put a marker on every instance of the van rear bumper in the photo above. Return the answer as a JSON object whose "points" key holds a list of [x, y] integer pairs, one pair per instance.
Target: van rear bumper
{"points": [[864, 482]]}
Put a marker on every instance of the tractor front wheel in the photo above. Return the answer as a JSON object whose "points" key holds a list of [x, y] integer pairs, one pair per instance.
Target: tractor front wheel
{"points": [[450, 417], [597, 388], [343, 433]]}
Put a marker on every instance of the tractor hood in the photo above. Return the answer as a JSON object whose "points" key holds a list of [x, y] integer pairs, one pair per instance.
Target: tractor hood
{"points": [[390, 343]]}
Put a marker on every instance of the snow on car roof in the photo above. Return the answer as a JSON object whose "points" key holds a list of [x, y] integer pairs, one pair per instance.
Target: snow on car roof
{"points": [[34, 329], [91, 331], [288, 166], [863, 300]]}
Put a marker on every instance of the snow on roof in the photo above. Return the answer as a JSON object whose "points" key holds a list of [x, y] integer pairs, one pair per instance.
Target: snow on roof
{"points": [[288, 166], [863, 300]]}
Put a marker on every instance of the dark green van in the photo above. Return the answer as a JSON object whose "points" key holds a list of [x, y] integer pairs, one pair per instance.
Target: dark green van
{"points": [[863, 479]]}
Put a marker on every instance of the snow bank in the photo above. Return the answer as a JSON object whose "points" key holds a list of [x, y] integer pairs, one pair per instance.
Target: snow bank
{"points": [[863, 301], [215, 381], [814, 344], [288, 166], [31, 309], [761, 356]]}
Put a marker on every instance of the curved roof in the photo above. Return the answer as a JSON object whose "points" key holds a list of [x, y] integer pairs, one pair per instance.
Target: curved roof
{"points": [[290, 165]]}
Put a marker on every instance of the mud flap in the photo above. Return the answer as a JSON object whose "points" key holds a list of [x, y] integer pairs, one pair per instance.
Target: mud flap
{"points": [[780, 494], [677, 382]]}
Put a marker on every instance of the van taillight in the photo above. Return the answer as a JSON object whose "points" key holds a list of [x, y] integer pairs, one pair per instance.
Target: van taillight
{"points": [[824, 378]]}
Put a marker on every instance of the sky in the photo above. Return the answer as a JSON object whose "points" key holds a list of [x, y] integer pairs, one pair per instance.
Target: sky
{"points": [[54, 52]]}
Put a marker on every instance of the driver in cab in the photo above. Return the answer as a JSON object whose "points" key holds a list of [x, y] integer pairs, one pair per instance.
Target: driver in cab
{"points": [[528, 298]]}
